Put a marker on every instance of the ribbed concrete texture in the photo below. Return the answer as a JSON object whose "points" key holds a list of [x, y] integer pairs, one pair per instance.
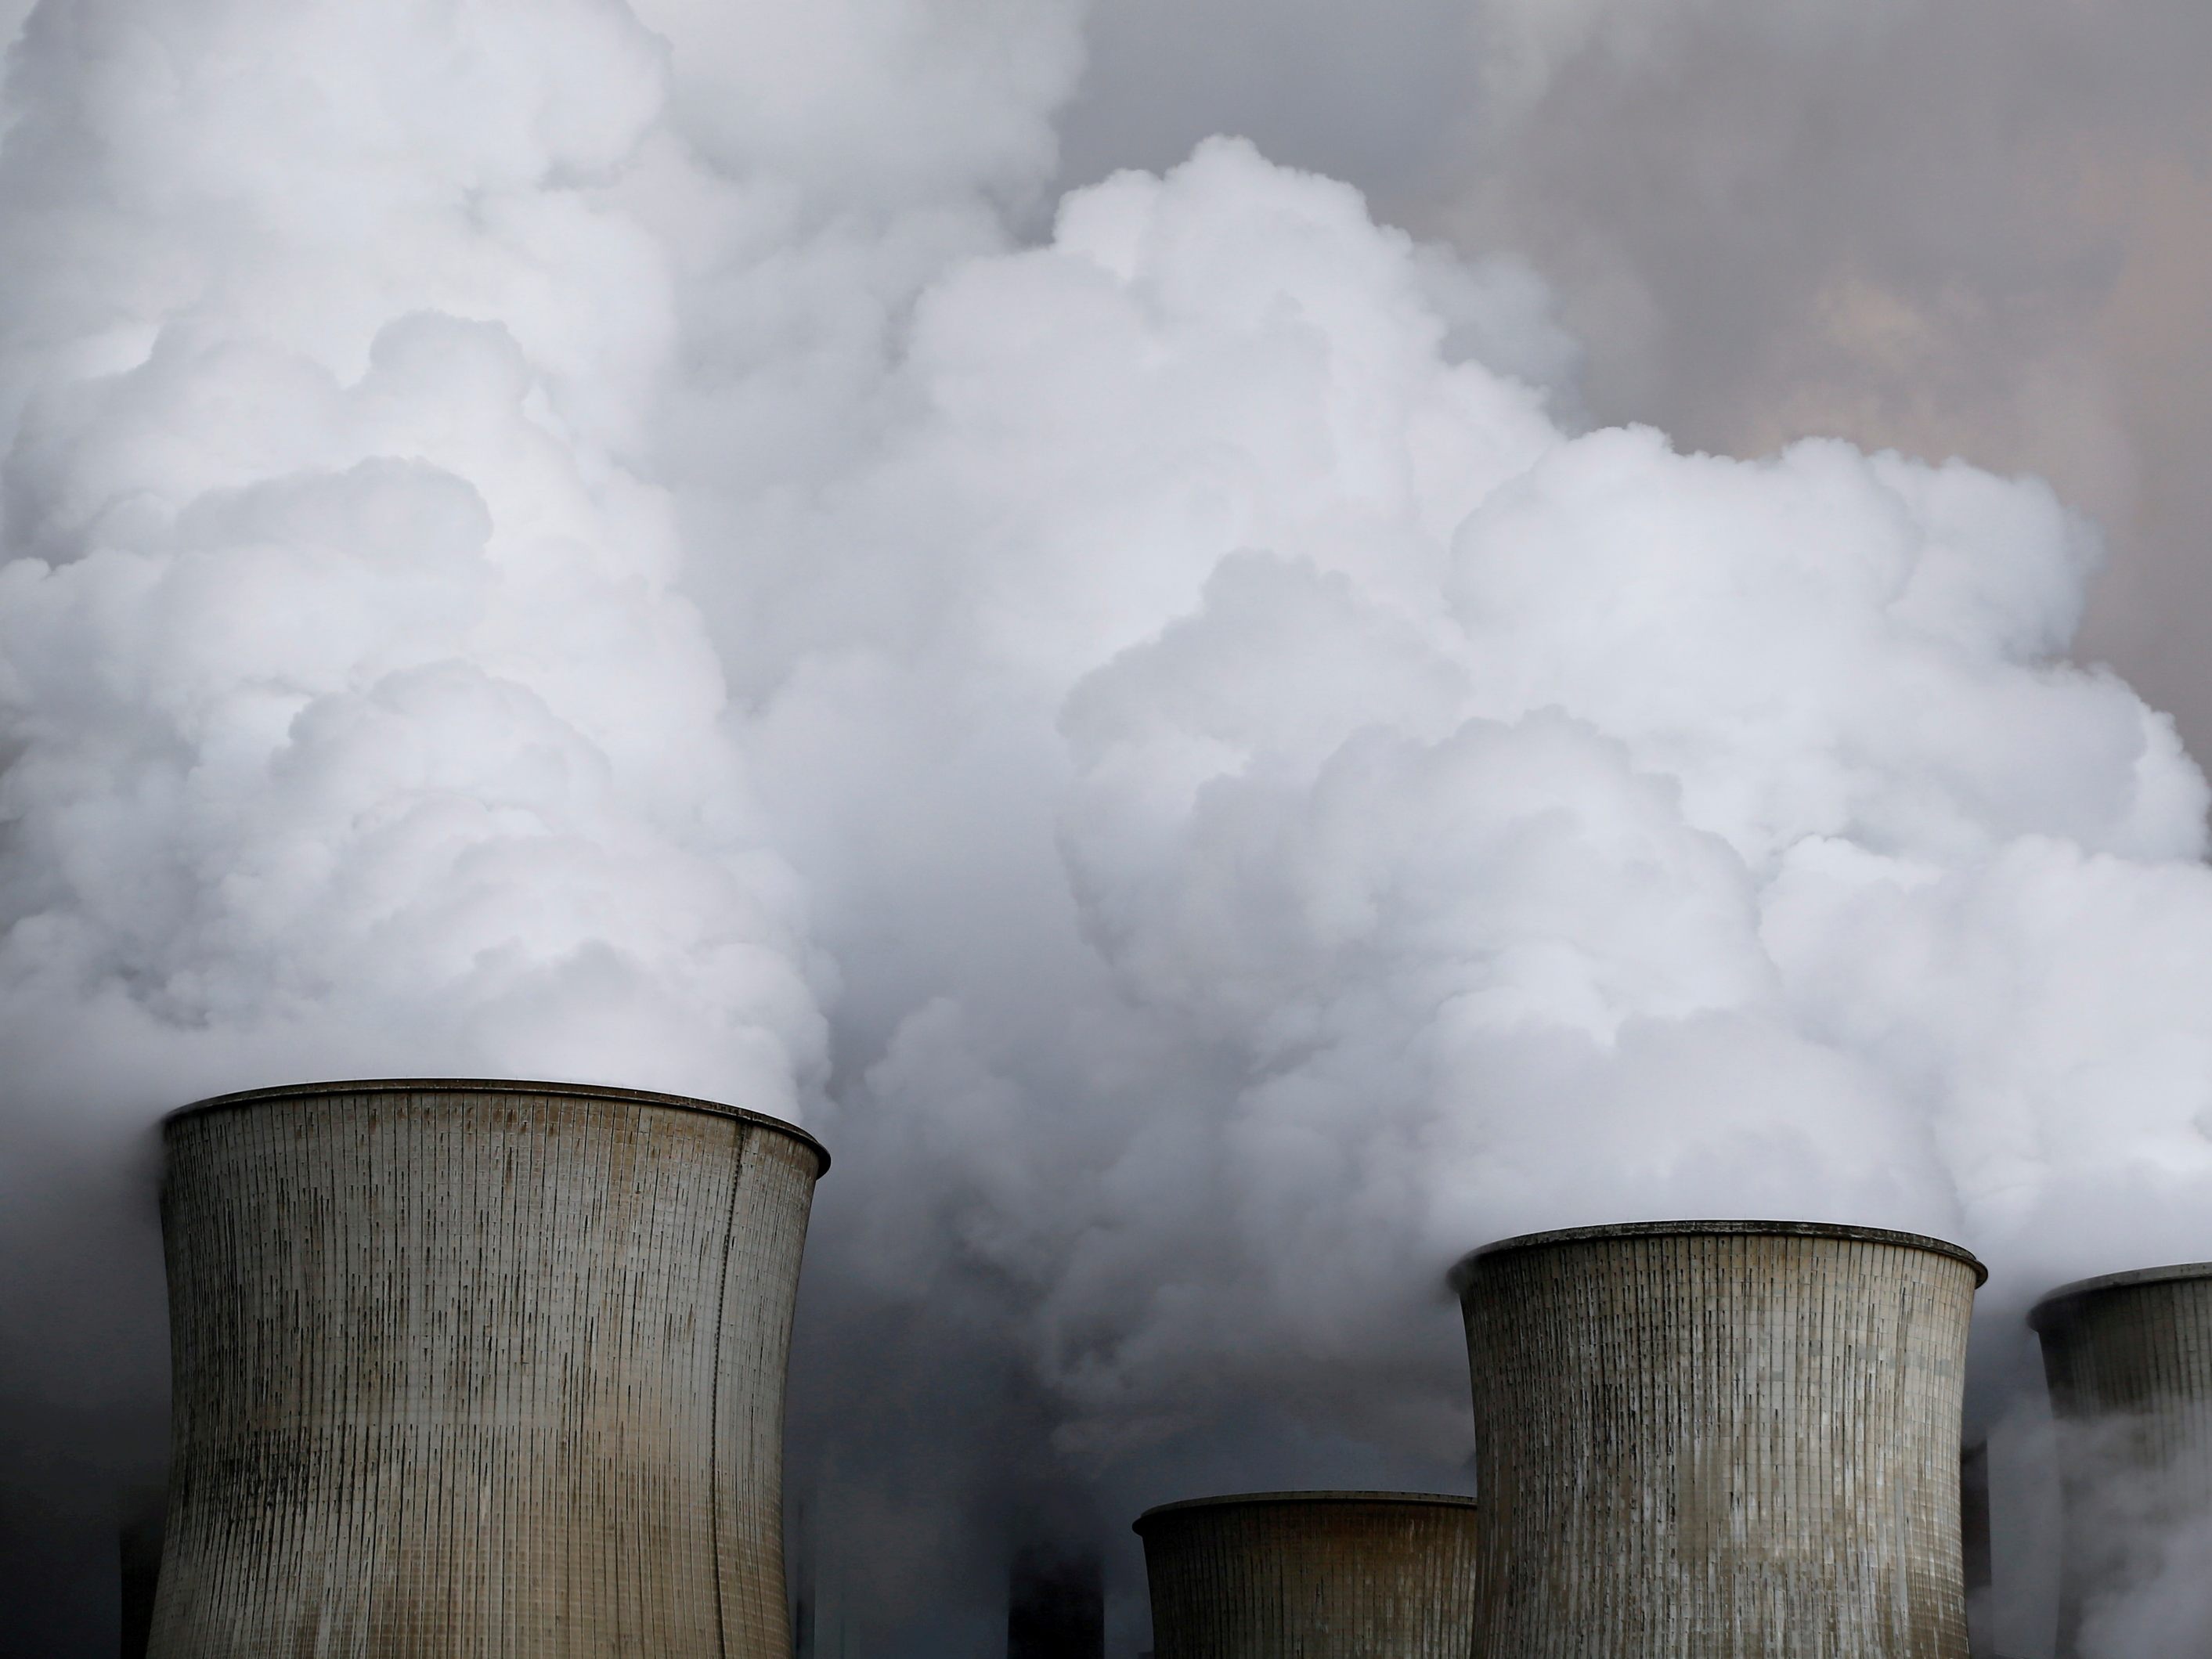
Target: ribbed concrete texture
{"points": [[1720, 1440], [478, 1370], [2128, 1359], [1312, 1575]]}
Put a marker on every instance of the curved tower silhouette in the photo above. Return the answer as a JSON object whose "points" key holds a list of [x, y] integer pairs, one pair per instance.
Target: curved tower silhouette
{"points": [[1720, 1440], [472, 1368]]}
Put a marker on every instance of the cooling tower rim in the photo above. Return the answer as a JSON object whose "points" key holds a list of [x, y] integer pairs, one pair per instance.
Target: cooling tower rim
{"points": [[2178, 1273], [1463, 1271], [1267, 1499], [479, 1086]]}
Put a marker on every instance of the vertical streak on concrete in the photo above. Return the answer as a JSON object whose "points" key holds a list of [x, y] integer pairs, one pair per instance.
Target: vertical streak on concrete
{"points": [[714, 1431], [1320, 1575], [1720, 1440], [489, 1370], [2128, 1360]]}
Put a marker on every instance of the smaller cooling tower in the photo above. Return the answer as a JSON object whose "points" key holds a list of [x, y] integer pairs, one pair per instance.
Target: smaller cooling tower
{"points": [[1312, 1575], [1720, 1440], [477, 1370], [2128, 1360]]}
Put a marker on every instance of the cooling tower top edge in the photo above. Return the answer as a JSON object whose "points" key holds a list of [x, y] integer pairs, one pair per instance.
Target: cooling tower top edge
{"points": [[2179, 1271], [1461, 1272], [1257, 1499], [474, 1085]]}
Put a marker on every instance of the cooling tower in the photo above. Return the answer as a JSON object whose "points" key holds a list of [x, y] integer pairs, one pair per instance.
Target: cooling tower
{"points": [[1714, 1438], [473, 1369], [2128, 1359], [1318, 1575]]}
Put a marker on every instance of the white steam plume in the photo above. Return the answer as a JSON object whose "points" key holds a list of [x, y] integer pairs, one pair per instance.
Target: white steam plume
{"points": [[354, 714], [578, 541], [360, 722], [2139, 1531], [1480, 827]]}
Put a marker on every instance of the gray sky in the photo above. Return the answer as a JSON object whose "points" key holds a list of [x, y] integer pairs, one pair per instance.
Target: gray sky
{"points": [[1980, 227]]}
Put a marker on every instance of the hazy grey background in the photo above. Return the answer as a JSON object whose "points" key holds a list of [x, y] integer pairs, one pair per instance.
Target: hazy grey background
{"points": [[1973, 227]]}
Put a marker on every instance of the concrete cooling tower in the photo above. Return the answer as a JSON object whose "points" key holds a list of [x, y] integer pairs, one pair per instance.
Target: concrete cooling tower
{"points": [[477, 1369], [1320, 1575], [2128, 1359], [1720, 1440]]}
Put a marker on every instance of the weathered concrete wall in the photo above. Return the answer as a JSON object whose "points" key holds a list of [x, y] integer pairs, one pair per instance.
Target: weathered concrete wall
{"points": [[1720, 1438], [477, 1369], [2128, 1359], [1312, 1576]]}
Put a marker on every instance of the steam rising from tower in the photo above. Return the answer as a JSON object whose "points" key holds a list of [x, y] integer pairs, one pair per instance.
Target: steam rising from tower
{"points": [[610, 539], [2129, 1358]]}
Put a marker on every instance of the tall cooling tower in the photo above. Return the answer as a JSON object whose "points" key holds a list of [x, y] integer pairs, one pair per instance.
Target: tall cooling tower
{"points": [[1321, 1574], [477, 1369], [2128, 1359], [1714, 1438]]}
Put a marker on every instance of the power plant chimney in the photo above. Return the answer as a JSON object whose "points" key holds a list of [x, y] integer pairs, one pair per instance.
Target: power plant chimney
{"points": [[2128, 1360], [478, 1368], [1324, 1575], [1719, 1440]]}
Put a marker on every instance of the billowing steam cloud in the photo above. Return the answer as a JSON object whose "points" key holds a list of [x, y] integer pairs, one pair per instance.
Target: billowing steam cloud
{"points": [[1487, 828], [358, 710], [586, 541], [1973, 227]]}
